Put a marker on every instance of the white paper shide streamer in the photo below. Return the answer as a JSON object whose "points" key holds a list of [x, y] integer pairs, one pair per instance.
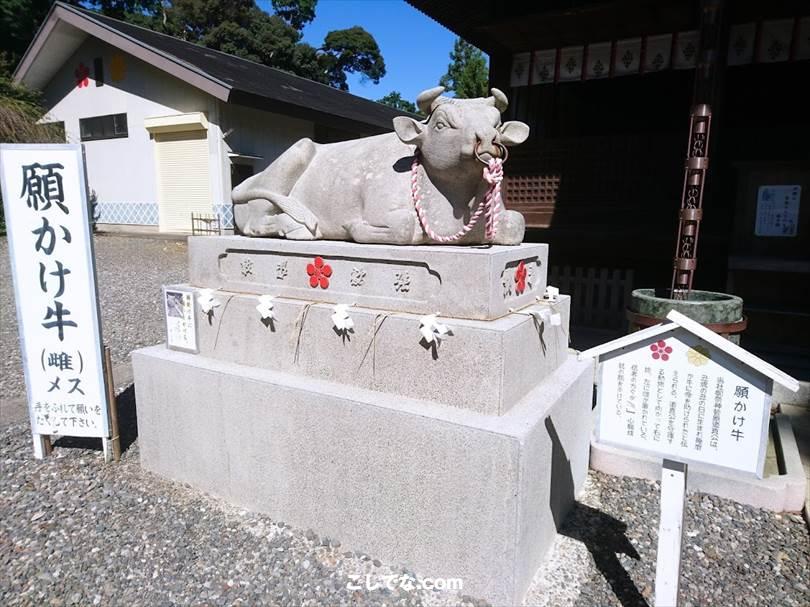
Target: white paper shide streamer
{"points": [[265, 307], [432, 330], [341, 318], [206, 300]]}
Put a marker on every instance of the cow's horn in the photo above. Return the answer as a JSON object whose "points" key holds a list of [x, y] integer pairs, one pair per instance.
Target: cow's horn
{"points": [[427, 98], [499, 100]]}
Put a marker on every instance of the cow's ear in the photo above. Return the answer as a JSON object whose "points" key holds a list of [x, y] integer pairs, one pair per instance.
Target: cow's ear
{"points": [[514, 132], [408, 130]]}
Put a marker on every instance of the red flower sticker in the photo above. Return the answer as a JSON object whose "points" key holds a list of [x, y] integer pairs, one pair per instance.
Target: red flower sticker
{"points": [[82, 74], [319, 273], [661, 350], [520, 278]]}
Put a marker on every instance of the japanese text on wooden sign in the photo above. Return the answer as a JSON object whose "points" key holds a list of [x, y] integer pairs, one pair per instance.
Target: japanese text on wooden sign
{"points": [[676, 396], [47, 220]]}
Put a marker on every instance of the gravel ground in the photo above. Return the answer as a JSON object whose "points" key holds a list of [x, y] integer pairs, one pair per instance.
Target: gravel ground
{"points": [[74, 531], [130, 273], [733, 555]]}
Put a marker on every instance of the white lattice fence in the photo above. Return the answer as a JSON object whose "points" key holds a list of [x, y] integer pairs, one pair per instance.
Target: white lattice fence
{"points": [[128, 213], [225, 212]]}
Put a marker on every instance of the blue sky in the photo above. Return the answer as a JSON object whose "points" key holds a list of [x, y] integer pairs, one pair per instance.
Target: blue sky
{"points": [[416, 49]]}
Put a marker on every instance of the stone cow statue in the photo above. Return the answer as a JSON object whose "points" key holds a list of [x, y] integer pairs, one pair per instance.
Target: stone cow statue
{"points": [[365, 190]]}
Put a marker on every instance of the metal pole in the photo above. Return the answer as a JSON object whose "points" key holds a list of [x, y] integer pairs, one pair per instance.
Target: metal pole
{"points": [[115, 439], [694, 180]]}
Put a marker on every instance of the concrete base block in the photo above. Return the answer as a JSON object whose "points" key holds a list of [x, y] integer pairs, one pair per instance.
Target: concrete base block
{"points": [[485, 366], [459, 282], [445, 491], [781, 490]]}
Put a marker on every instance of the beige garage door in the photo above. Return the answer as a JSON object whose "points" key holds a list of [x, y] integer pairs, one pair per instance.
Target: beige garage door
{"points": [[183, 180]]}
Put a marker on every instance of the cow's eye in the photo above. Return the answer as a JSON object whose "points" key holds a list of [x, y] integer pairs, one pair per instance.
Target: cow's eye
{"points": [[440, 125]]}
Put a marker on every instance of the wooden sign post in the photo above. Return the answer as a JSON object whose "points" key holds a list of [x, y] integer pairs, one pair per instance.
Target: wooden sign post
{"points": [[682, 392], [53, 267]]}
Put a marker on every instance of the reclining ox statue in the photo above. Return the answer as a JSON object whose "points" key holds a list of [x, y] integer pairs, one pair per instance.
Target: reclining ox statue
{"points": [[423, 184]]}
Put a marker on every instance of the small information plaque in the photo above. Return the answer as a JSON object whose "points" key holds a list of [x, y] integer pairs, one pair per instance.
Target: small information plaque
{"points": [[181, 322], [778, 210]]}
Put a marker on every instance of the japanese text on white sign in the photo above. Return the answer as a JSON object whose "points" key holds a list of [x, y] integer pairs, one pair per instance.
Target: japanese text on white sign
{"points": [[44, 196]]}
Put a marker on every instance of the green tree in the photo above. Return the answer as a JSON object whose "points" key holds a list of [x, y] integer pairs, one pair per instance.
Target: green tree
{"points": [[467, 75], [240, 28], [295, 12], [395, 100], [348, 51]]}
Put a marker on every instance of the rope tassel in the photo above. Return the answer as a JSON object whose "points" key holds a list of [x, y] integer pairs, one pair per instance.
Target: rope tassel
{"points": [[490, 205]]}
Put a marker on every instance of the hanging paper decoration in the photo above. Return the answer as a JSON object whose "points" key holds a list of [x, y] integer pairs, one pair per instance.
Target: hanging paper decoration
{"points": [[657, 52], [341, 320], [82, 74], [803, 43], [684, 55], [206, 300], [432, 330], [265, 307], [766, 42], [571, 63], [627, 57], [741, 40], [520, 69], [544, 66], [118, 67], [597, 60], [774, 41]]}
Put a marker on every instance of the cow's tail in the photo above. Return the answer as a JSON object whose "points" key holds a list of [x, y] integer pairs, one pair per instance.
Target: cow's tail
{"points": [[288, 205]]}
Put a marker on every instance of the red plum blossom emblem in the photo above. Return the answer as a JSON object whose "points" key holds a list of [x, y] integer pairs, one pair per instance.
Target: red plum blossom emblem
{"points": [[661, 350], [520, 278], [319, 273]]}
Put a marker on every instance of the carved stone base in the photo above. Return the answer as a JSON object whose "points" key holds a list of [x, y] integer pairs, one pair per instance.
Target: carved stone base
{"points": [[480, 283]]}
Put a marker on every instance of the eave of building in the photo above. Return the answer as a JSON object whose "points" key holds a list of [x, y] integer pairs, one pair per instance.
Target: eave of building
{"points": [[64, 31]]}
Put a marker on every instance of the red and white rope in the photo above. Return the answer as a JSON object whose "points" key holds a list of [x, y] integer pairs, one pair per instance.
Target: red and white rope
{"points": [[490, 204]]}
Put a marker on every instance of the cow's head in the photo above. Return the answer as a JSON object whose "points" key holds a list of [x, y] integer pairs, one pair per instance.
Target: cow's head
{"points": [[448, 137]]}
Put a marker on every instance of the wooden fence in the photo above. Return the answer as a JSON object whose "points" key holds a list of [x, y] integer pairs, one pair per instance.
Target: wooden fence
{"points": [[598, 296]]}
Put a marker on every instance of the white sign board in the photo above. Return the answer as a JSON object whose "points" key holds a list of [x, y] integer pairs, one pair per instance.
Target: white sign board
{"points": [[778, 210], [51, 249], [181, 327], [676, 396]]}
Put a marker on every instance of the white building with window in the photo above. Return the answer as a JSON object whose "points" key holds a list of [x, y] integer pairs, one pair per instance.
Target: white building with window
{"points": [[169, 127]]}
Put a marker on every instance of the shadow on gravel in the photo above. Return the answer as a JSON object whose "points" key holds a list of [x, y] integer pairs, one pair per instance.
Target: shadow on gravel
{"points": [[603, 535], [127, 425]]}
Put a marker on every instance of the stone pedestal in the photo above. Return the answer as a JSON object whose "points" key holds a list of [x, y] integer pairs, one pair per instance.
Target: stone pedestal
{"points": [[457, 461]]}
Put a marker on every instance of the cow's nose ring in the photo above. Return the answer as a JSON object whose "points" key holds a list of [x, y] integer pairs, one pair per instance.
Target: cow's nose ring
{"points": [[504, 155]]}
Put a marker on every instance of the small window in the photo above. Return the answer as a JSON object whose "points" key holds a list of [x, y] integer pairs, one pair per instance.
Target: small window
{"points": [[111, 126]]}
